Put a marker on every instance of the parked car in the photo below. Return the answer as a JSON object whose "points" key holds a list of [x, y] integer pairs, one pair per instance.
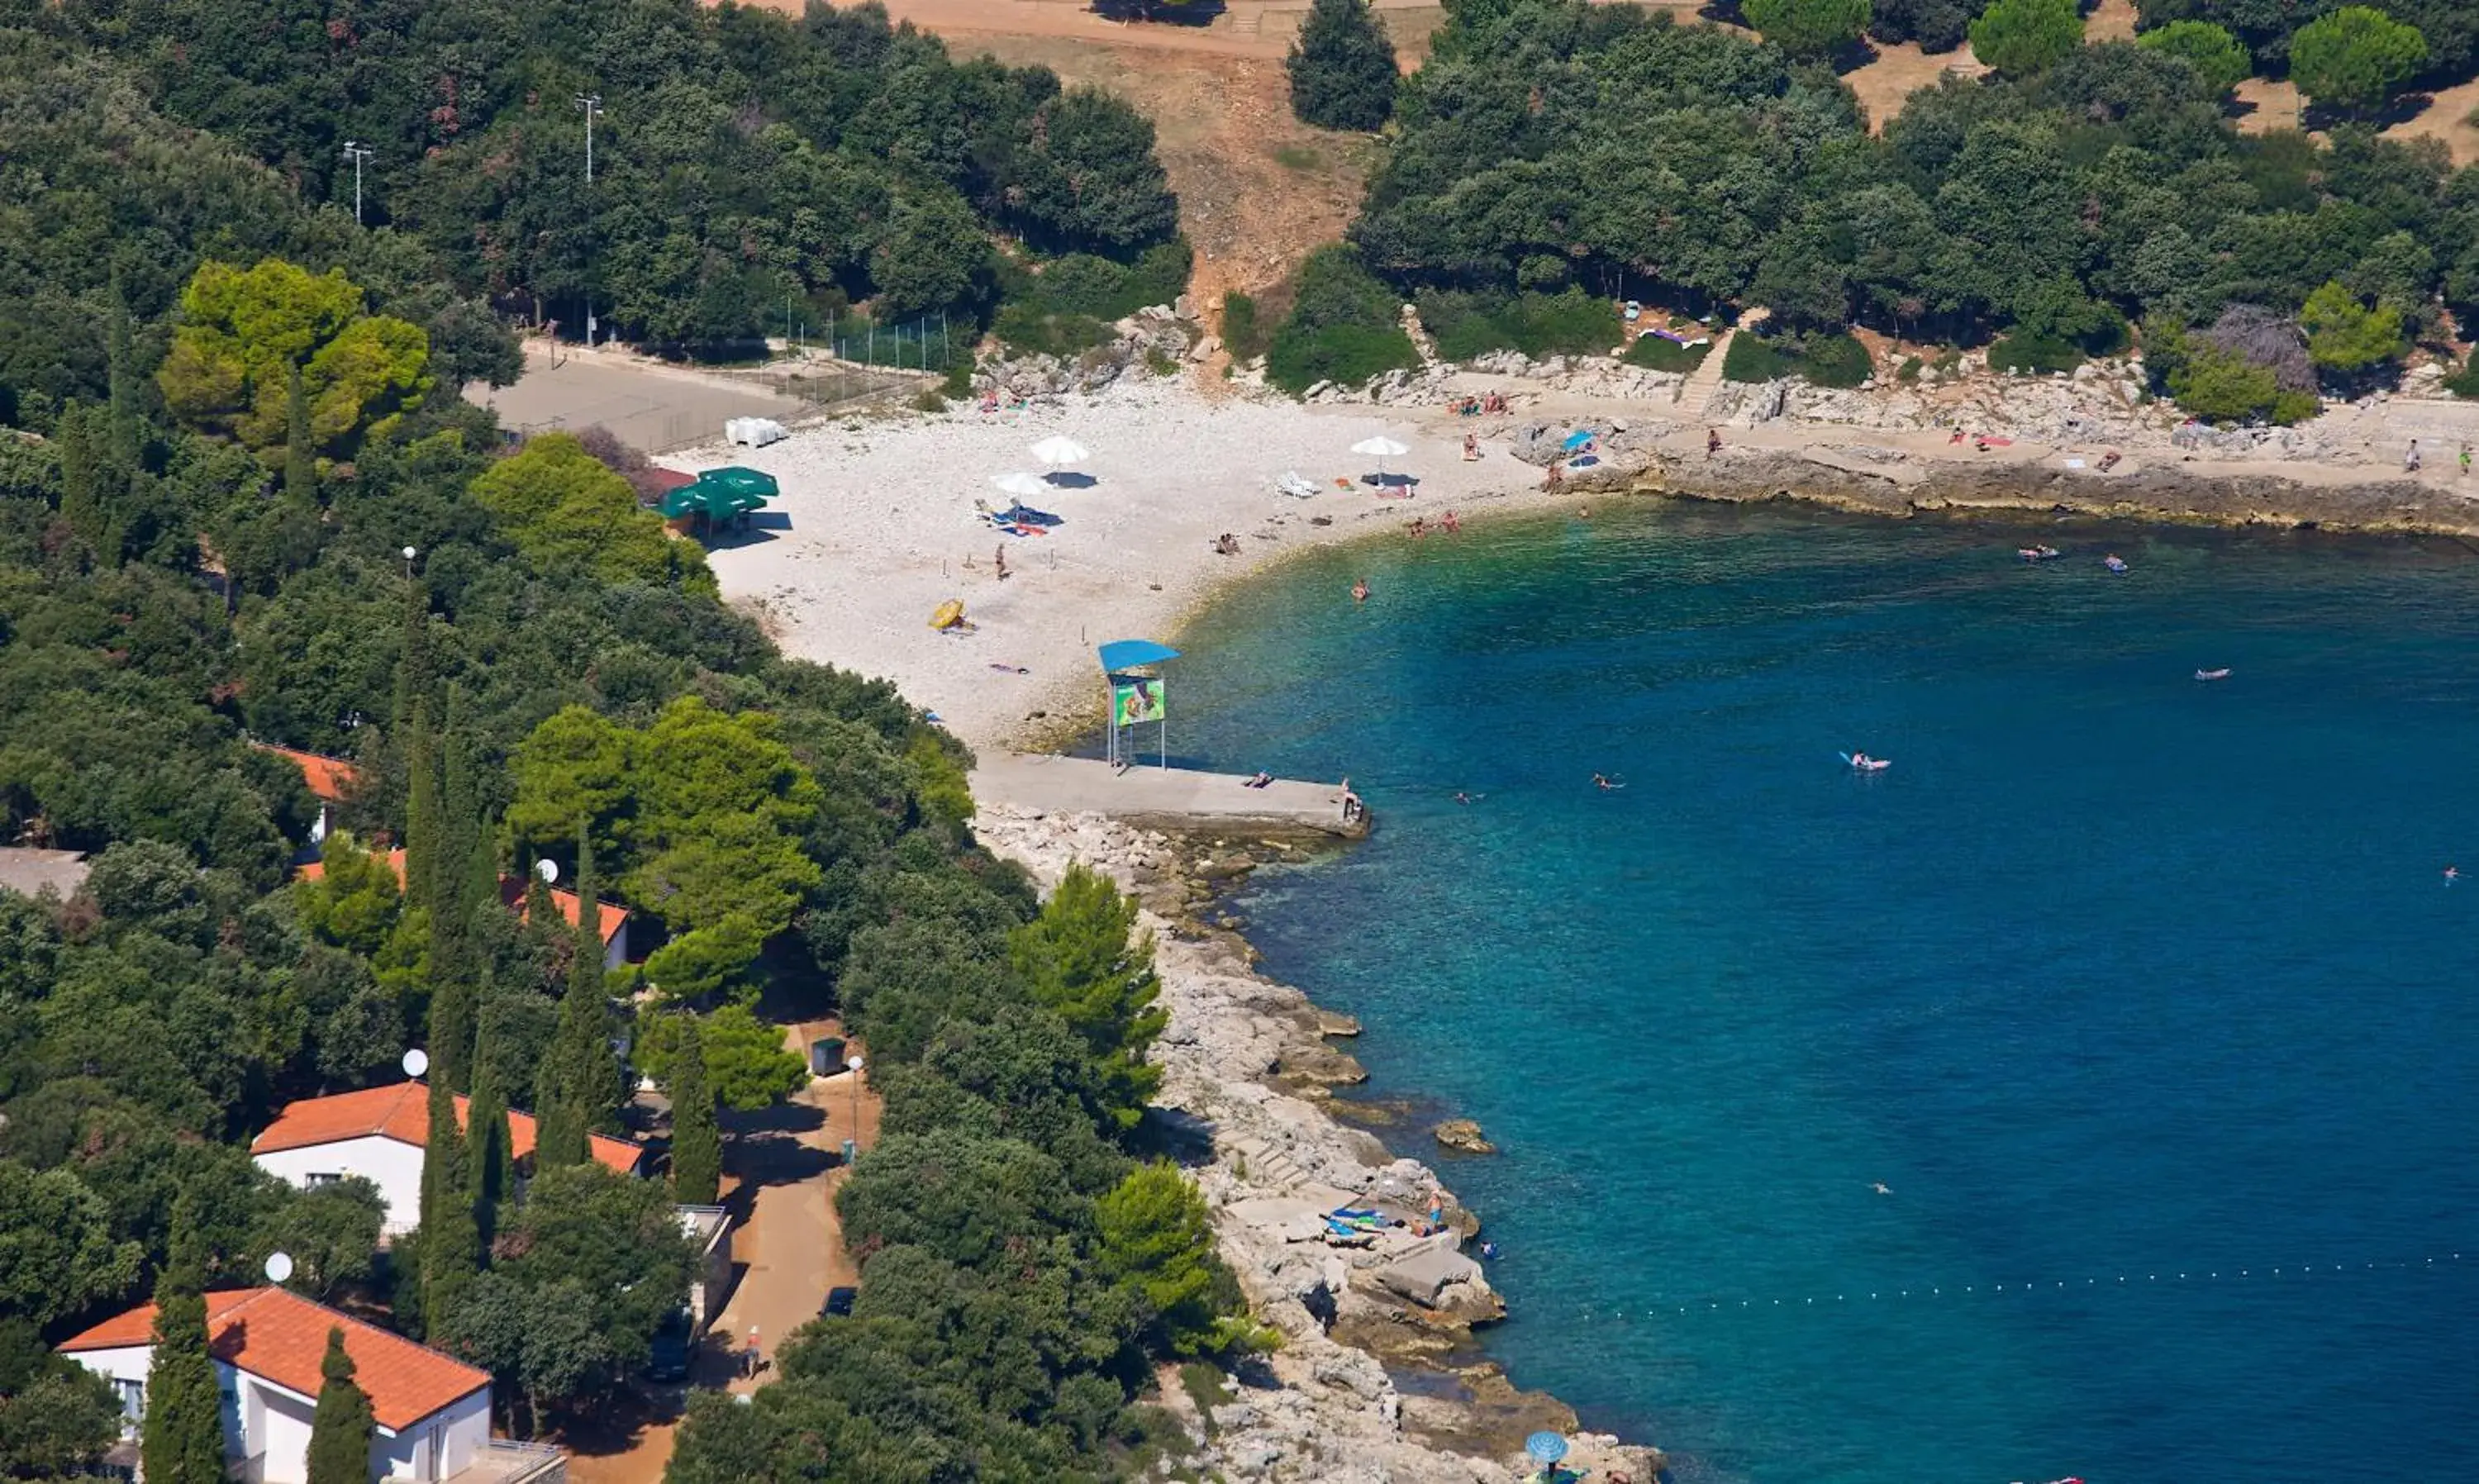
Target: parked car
{"points": [[674, 1343], [838, 1304]]}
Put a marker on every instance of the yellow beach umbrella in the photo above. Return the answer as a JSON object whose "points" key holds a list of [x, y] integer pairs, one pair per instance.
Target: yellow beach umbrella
{"points": [[950, 614]]}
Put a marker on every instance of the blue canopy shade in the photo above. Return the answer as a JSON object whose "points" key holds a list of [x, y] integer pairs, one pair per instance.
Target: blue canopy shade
{"points": [[1546, 1448], [1121, 654]]}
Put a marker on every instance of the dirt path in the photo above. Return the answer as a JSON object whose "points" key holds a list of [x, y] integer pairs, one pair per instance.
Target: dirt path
{"points": [[782, 1168]]}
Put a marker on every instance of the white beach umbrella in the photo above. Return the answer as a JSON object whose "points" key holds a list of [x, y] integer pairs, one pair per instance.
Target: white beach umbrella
{"points": [[1381, 448], [1058, 453], [1020, 485]]}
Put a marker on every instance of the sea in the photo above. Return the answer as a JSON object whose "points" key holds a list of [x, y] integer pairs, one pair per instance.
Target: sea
{"points": [[2090, 1092]]}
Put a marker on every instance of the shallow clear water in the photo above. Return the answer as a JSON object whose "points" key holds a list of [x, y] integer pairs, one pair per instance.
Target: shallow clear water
{"points": [[2116, 980]]}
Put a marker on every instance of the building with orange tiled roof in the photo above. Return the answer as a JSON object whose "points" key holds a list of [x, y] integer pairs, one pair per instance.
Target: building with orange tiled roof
{"points": [[379, 1134], [330, 780], [433, 1411], [613, 924]]}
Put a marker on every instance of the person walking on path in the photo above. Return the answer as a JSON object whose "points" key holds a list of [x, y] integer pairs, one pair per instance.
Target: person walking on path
{"points": [[2466, 461], [1712, 442], [2409, 460]]}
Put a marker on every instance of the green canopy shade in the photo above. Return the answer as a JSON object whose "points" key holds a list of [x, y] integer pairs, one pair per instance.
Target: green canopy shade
{"points": [[720, 494]]}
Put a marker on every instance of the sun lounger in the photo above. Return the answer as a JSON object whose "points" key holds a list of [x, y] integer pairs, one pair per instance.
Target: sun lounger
{"points": [[1297, 485]]}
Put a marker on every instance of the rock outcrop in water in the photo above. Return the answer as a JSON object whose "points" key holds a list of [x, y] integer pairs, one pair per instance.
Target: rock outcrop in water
{"points": [[1377, 1380]]}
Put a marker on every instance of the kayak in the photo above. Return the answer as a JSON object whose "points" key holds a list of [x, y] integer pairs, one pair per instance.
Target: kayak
{"points": [[2212, 675]]}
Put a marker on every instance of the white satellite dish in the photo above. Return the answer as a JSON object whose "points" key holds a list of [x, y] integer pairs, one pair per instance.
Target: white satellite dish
{"points": [[417, 1062], [547, 869], [279, 1266]]}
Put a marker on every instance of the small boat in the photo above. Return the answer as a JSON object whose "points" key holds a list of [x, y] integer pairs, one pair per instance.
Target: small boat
{"points": [[2222, 674], [2038, 554], [1863, 763], [2115, 564]]}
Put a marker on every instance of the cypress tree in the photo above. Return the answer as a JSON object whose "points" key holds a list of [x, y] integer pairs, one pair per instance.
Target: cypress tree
{"points": [[490, 1172], [300, 468], [697, 1143], [123, 358], [82, 497], [465, 870], [182, 1439], [450, 1247], [421, 809], [340, 1430], [1342, 68], [579, 1073]]}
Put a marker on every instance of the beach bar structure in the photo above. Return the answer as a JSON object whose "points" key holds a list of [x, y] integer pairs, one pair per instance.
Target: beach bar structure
{"points": [[1136, 697]]}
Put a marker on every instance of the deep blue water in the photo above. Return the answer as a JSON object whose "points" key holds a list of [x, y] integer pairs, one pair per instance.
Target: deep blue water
{"points": [[2112, 976]]}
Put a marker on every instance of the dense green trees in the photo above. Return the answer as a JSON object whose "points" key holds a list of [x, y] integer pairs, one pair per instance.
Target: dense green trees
{"points": [[1342, 68], [2355, 57], [1809, 28], [570, 513], [697, 1143], [1084, 961], [341, 1427], [57, 1417], [2451, 27], [1637, 156]]}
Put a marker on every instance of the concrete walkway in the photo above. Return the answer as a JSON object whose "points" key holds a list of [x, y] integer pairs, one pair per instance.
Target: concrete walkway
{"points": [[1155, 798]]}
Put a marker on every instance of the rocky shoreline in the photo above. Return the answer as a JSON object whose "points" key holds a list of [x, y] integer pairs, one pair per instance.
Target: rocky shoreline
{"points": [[1377, 1380]]}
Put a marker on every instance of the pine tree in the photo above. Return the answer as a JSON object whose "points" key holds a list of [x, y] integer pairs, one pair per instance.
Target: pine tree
{"points": [[697, 1143], [490, 1166], [340, 1430], [123, 357], [182, 1439], [300, 467], [1342, 68], [580, 1080], [1084, 958], [451, 1246]]}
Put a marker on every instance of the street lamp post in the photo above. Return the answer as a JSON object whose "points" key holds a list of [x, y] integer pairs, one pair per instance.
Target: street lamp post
{"points": [[853, 1064], [360, 155], [592, 103], [409, 554]]}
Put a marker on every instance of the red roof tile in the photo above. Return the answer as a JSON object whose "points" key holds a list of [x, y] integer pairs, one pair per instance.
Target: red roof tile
{"points": [[328, 778], [401, 1111], [280, 1336], [313, 870]]}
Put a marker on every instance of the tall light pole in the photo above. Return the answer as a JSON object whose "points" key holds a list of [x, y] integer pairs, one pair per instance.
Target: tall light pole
{"points": [[592, 103], [360, 155]]}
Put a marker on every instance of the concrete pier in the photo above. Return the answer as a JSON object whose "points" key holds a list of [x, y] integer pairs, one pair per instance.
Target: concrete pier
{"points": [[1174, 799]]}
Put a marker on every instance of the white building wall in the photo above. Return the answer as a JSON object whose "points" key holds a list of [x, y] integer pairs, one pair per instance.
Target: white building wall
{"points": [[394, 1167], [128, 1362], [277, 1430]]}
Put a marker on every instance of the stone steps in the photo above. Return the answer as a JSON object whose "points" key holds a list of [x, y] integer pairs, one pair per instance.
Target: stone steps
{"points": [[1696, 391], [1268, 1168]]}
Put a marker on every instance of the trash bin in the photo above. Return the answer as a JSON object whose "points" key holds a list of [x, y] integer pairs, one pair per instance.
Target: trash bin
{"points": [[825, 1056], [851, 1152]]}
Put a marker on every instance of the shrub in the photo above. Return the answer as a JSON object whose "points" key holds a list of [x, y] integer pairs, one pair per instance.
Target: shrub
{"points": [[2465, 381], [1080, 283], [1937, 25], [1667, 355], [1809, 28], [1025, 327], [2355, 57], [1342, 327], [2037, 354], [2022, 37], [1909, 370], [1342, 68], [1834, 360], [1466, 325], [2219, 60], [1241, 334]]}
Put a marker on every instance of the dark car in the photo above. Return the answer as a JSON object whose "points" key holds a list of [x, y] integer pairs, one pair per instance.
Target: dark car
{"points": [[668, 1357], [838, 1304]]}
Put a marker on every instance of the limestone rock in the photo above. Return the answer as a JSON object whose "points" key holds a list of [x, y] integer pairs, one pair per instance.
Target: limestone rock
{"points": [[1464, 1135]]}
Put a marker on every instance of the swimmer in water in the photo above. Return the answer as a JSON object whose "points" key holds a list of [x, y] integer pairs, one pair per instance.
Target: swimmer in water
{"points": [[1604, 782], [1359, 590], [1881, 1187], [1461, 797], [2452, 874]]}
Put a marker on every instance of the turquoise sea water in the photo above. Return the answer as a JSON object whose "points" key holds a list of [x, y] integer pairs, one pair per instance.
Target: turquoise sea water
{"points": [[2113, 976]]}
